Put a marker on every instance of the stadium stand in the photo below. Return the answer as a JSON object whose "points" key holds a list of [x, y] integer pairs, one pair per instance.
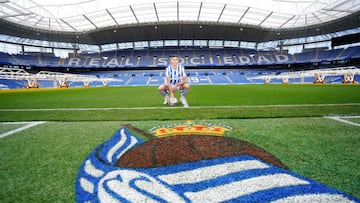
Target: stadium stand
{"points": [[190, 57], [204, 66]]}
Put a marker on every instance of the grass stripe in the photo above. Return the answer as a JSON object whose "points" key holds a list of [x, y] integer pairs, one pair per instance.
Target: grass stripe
{"points": [[172, 107]]}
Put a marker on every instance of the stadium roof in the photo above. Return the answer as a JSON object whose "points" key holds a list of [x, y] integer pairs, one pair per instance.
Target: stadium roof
{"points": [[109, 21]]}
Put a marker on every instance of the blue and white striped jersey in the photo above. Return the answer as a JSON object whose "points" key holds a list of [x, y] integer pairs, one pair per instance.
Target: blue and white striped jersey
{"points": [[175, 75]]}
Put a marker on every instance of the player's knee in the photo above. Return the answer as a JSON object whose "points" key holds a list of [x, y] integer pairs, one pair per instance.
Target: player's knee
{"points": [[161, 88]]}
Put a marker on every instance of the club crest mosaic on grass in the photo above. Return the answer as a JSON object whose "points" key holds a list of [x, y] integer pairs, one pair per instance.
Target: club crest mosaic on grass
{"points": [[191, 167], [190, 128]]}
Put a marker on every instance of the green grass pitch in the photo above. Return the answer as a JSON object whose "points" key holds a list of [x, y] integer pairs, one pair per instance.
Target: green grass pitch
{"points": [[39, 164]]}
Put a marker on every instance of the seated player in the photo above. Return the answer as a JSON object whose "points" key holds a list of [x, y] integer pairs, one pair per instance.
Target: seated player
{"points": [[175, 79]]}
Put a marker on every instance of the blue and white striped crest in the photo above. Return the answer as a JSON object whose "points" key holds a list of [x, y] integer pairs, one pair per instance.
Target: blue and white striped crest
{"points": [[230, 179]]}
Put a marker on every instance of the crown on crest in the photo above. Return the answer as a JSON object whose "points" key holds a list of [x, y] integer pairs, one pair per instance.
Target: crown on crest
{"points": [[190, 128]]}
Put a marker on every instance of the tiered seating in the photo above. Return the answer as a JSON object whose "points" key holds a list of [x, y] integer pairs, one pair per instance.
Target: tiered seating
{"points": [[138, 80], [157, 53], [328, 55], [4, 58], [193, 57], [248, 51], [356, 53], [219, 79], [238, 79], [349, 53], [156, 80], [186, 53], [147, 61], [305, 57], [26, 60]]}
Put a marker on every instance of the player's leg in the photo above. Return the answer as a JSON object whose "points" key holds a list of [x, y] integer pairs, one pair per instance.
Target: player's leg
{"points": [[174, 88], [184, 89], [163, 90]]}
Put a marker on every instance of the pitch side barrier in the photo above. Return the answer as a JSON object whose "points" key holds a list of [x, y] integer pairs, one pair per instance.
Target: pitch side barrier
{"points": [[62, 80], [347, 74]]}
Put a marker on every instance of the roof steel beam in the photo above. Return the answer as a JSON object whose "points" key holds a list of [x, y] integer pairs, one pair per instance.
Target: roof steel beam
{"points": [[177, 11], [37, 22], [107, 10], [156, 13], [266, 18], [337, 10], [316, 17], [340, 3], [90, 21], [199, 11], [132, 10], [17, 9], [222, 11], [15, 15], [243, 15], [57, 21], [287, 21], [68, 24]]}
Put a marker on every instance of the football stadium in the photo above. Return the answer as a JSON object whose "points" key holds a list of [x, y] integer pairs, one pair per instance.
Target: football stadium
{"points": [[180, 101]]}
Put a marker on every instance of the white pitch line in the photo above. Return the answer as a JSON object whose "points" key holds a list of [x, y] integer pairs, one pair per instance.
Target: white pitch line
{"points": [[348, 116], [340, 119], [180, 107], [29, 125]]}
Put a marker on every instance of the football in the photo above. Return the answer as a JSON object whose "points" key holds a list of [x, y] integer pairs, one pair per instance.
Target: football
{"points": [[173, 101]]}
